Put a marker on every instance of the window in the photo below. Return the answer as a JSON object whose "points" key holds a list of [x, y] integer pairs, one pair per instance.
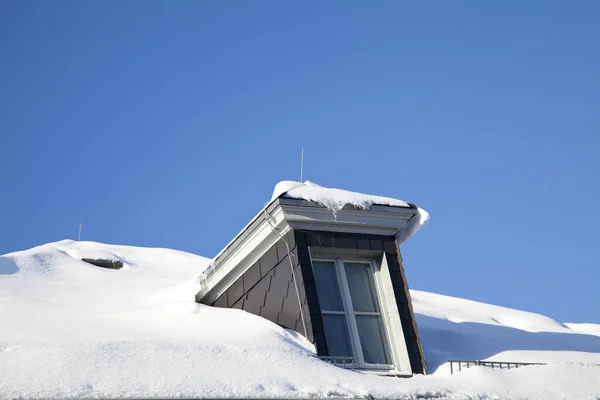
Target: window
{"points": [[351, 311]]}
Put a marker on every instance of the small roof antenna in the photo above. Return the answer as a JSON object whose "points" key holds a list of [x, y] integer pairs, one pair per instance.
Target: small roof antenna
{"points": [[302, 165]]}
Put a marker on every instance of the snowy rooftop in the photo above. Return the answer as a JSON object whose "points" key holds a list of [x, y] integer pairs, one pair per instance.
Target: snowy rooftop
{"points": [[70, 329]]}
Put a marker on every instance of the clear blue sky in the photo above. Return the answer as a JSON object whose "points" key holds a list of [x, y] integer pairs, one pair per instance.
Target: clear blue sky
{"points": [[168, 124]]}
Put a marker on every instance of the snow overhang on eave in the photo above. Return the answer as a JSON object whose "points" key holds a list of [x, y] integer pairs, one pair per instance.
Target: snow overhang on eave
{"points": [[377, 220], [288, 213]]}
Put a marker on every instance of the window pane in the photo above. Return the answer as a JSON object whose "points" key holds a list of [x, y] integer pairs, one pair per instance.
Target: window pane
{"points": [[360, 284], [336, 334], [371, 339], [328, 289]]}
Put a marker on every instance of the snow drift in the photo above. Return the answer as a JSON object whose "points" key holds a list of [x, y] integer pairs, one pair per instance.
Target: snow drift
{"points": [[70, 329]]}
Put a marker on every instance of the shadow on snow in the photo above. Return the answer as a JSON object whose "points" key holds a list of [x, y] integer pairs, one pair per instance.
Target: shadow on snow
{"points": [[443, 340], [7, 266]]}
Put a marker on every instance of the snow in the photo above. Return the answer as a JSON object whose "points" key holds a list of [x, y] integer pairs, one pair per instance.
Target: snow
{"points": [[454, 328], [591, 329], [336, 199], [333, 199], [69, 329]]}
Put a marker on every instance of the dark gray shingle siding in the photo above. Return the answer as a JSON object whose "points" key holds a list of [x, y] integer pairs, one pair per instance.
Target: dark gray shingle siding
{"points": [[267, 289]]}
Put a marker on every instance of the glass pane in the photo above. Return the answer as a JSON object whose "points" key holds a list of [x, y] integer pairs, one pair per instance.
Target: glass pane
{"points": [[328, 289], [371, 339], [361, 288], [336, 334]]}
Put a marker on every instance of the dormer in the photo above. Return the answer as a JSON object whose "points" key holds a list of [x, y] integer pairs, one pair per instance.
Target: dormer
{"points": [[326, 263]]}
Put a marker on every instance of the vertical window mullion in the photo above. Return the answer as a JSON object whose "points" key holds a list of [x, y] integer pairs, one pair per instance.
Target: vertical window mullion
{"points": [[382, 317], [353, 329]]}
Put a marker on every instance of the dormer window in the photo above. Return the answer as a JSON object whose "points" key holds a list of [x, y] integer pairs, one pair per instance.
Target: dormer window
{"points": [[351, 311]]}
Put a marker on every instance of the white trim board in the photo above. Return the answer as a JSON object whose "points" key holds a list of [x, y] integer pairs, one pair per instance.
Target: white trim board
{"points": [[240, 257]]}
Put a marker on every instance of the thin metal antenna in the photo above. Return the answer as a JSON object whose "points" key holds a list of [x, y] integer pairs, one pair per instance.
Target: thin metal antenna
{"points": [[79, 237], [302, 165]]}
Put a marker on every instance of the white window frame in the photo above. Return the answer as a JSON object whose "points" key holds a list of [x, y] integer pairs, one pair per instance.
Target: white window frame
{"points": [[350, 314]]}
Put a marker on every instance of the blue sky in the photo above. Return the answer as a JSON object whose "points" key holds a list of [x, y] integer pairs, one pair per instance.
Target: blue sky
{"points": [[163, 124]]}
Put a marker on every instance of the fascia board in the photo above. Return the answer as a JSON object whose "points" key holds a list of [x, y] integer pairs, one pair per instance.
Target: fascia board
{"points": [[247, 230], [234, 263], [349, 220]]}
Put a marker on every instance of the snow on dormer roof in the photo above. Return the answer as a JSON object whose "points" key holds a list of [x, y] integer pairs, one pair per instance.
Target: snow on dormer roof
{"points": [[336, 199], [333, 199]]}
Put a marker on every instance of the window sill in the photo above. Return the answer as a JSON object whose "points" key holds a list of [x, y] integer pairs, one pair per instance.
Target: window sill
{"points": [[388, 372]]}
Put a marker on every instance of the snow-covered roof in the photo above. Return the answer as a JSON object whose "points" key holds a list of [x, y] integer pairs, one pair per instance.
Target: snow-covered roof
{"points": [[336, 199], [69, 329]]}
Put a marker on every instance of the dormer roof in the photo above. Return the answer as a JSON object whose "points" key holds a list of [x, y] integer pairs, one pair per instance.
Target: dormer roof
{"points": [[296, 205]]}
